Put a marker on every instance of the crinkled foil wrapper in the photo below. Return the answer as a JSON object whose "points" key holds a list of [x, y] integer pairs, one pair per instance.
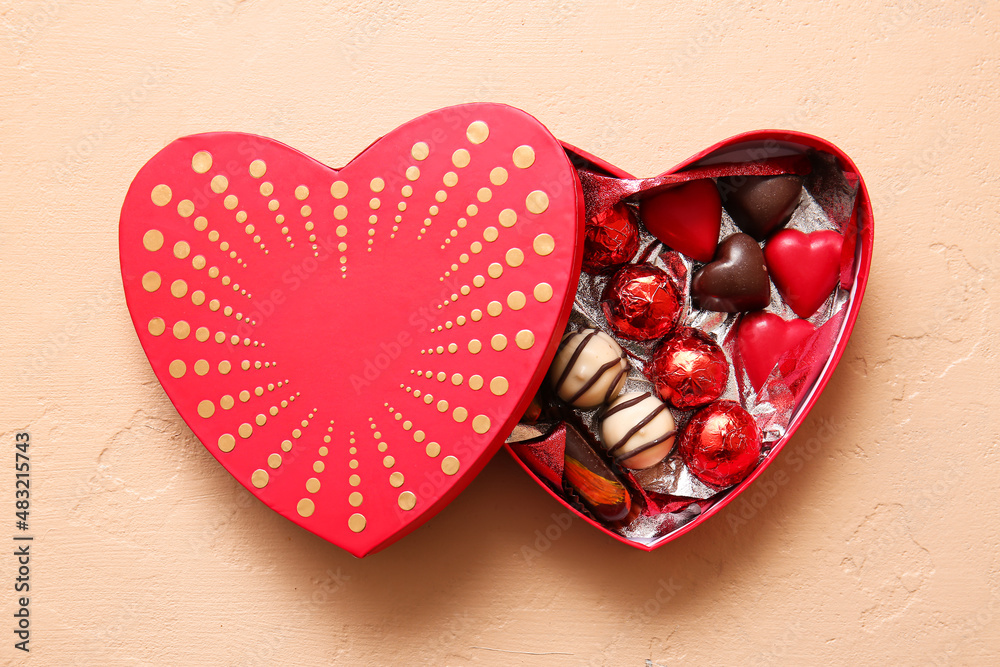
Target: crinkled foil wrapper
{"points": [[827, 202]]}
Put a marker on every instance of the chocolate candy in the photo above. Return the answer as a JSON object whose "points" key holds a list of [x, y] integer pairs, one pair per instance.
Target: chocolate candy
{"points": [[641, 302], [720, 444], [611, 237], [759, 205], [736, 280], [804, 267], [689, 369], [638, 430], [589, 369], [687, 218], [593, 481]]}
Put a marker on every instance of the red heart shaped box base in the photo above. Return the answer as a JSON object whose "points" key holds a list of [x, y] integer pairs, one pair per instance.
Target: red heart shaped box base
{"points": [[354, 344], [858, 240]]}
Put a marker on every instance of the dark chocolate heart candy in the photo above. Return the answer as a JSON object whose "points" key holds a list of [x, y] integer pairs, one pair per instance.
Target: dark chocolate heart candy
{"points": [[760, 205], [736, 280]]}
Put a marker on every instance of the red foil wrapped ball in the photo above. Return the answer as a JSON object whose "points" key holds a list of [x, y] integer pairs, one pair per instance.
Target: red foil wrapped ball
{"points": [[611, 238], [641, 302], [720, 444], [689, 369]]}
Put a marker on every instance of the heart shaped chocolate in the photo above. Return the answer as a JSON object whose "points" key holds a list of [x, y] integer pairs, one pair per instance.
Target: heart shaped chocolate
{"points": [[764, 338], [736, 280], [804, 267], [686, 217], [760, 204], [353, 344]]}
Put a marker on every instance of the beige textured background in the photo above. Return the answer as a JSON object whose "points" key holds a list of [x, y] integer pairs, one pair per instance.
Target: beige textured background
{"points": [[872, 538]]}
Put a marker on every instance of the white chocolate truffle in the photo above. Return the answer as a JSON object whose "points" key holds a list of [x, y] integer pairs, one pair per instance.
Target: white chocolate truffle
{"points": [[638, 430], [589, 369]]}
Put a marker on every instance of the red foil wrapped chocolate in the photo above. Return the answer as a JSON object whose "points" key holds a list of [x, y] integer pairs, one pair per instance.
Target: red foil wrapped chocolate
{"points": [[689, 369], [611, 238], [641, 302], [720, 444]]}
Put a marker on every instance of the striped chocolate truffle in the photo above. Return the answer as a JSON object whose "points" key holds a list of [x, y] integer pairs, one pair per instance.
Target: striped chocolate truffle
{"points": [[589, 369], [638, 430]]}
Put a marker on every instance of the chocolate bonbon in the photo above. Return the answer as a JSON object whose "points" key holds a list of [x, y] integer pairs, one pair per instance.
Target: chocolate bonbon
{"points": [[689, 369], [638, 430], [589, 369], [720, 444], [592, 479], [759, 205], [736, 280], [611, 237], [641, 302]]}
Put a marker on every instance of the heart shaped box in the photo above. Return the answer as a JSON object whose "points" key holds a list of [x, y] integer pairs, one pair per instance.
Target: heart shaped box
{"points": [[354, 344], [858, 241]]}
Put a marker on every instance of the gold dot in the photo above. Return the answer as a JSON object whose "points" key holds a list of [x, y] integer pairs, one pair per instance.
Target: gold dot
{"points": [[475, 346], [354, 480], [245, 395], [257, 168], [201, 162], [544, 244], [494, 308], [450, 179], [185, 208], [524, 339], [182, 249], [442, 405], [476, 315], [219, 184], [537, 202], [201, 367], [449, 465], [266, 188], [374, 203], [498, 342], [516, 300], [245, 430], [413, 172], [481, 424], [261, 419], [181, 329], [206, 409], [499, 385], [407, 500], [476, 247], [396, 479], [420, 151], [543, 292], [507, 217], [456, 379], [476, 382], [201, 335], [312, 485], [286, 445], [227, 442], [433, 449], [459, 158], [226, 402], [177, 368], [338, 189], [306, 507], [178, 288], [460, 414], [161, 194], [377, 185], [156, 326], [479, 281], [198, 262], [340, 212], [357, 522], [452, 347], [301, 192], [524, 157], [478, 132], [490, 234], [514, 257], [355, 499], [440, 196], [259, 478], [472, 209], [151, 281], [484, 195], [152, 240], [225, 367], [231, 201], [389, 461]]}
